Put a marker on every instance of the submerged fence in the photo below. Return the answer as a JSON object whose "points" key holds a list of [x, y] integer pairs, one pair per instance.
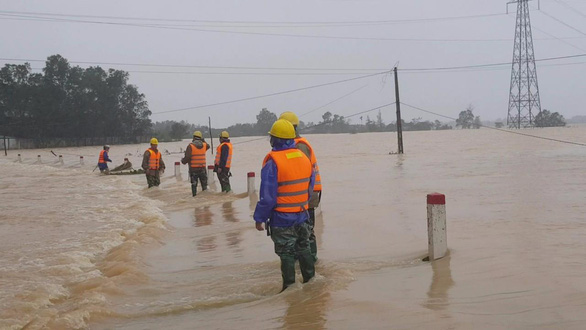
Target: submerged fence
{"points": [[12, 143]]}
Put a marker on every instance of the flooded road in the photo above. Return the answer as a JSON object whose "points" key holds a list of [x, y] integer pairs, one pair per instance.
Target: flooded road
{"points": [[84, 250]]}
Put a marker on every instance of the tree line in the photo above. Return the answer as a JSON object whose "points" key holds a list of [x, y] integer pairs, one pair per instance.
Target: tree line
{"points": [[70, 101]]}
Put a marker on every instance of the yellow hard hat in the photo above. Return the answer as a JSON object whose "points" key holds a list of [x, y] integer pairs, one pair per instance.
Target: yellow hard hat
{"points": [[291, 117], [154, 141], [283, 129], [197, 134], [224, 134]]}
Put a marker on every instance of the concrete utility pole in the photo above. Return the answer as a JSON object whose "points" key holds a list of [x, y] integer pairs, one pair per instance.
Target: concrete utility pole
{"points": [[5, 147], [398, 104]]}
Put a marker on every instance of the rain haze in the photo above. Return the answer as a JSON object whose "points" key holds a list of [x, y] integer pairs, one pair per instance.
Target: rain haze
{"points": [[189, 54], [138, 244]]}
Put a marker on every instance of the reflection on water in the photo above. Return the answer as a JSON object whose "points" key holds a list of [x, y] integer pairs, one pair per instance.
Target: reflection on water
{"points": [[440, 284], [229, 213], [203, 216], [400, 160], [206, 244], [307, 307], [233, 238]]}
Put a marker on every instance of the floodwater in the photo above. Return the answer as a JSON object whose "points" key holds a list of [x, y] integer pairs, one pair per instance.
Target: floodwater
{"points": [[84, 250]]}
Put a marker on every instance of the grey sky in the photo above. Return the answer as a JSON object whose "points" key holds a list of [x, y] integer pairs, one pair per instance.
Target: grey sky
{"points": [[448, 93]]}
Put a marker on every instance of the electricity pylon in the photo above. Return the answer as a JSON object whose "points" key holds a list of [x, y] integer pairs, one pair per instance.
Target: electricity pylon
{"points": [[524, 103]]}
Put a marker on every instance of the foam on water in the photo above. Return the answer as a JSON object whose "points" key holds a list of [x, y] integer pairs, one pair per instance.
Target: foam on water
{"points": [[68, 239]]}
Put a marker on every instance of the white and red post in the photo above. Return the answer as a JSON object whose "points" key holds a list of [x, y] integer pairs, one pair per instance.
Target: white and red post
{"points": [[19, 158], [177, 169], [81, 162], [61, 160], [437, 234], [210, 173], [250, 177]]}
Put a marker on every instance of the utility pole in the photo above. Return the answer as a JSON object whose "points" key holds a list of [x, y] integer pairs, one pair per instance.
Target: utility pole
{"points": [[5, 147], [524, 101], [398, 104]]}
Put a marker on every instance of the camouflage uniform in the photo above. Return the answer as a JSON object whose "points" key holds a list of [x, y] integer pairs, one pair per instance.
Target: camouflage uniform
{"points": [[202, 175], [152, 176], [153, 180], [224, 178], [289, 243], [196, 173]]}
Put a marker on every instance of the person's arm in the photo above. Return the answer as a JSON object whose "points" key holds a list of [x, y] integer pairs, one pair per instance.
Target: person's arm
{"points": [[187, 158], [207, 146], [268, 192], [161, 164], [106, 157], [311, 181], [145, 160], [224, 156], [305, 149]]}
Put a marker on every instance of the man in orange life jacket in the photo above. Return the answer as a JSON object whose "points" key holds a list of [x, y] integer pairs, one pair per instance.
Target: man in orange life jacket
{"points": [[224, 161], [152, 164], [303, 145], [195, 156], [104, 158], [287, 179]]}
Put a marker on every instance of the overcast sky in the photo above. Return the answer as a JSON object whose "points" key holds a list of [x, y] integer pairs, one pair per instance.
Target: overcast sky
{"points": [[430, 34]]}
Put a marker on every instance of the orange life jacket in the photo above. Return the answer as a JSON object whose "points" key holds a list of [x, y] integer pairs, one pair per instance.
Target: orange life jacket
{"points": [[154, 159], [293, 176], [102, 160], [198, 156], [317, 186], [219, 152]]}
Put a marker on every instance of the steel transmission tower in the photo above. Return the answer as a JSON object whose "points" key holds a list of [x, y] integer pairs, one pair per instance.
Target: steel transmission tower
{"points": [[524, 103]]}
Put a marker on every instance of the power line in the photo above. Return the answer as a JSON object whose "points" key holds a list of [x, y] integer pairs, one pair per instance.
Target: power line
{"points": [[339, 98], [562, 22], [200, 66], [564, 41], [324, 123], [256, 33], [571, 8], [489, 65], [245, 73], [499, 129], [259, 23], [272, 94], [298, 68]]}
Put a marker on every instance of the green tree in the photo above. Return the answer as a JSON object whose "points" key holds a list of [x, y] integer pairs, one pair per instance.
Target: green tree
{"points": [[264, 121], [179, 130], [477, 123], [548, 119], [380, 124], [66, 101], [466, 118]]}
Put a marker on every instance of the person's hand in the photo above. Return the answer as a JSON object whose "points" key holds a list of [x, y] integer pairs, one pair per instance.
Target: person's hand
{"points": [[219, 170], [259, 226]]}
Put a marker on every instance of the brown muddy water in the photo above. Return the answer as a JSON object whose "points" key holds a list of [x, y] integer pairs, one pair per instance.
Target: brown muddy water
{"points": [[83, 250]]}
